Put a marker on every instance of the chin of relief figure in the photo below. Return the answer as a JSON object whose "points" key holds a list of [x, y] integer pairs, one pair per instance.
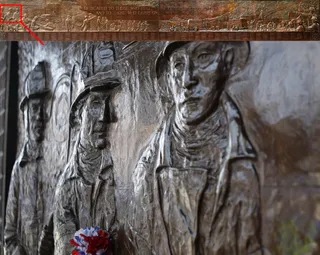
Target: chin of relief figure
{"points": [[91, 240]]}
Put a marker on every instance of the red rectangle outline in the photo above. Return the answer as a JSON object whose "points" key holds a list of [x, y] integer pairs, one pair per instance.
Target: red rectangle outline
{"points": [[18, 22], [11, 21]]}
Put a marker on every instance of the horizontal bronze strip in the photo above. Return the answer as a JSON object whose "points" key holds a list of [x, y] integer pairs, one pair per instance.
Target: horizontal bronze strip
{"points": [[157, 36]]}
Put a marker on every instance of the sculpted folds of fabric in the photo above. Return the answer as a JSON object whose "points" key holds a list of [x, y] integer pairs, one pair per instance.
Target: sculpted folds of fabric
{"points": [[180, 147]]}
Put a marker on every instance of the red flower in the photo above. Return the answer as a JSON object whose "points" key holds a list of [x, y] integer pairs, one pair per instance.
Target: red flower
{"points": [[73, 242], [100, 242], [91, 240]]}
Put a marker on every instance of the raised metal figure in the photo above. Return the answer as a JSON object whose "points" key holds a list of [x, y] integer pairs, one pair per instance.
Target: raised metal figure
{"points": [[196, 190], [27, 200], [85, 195]]}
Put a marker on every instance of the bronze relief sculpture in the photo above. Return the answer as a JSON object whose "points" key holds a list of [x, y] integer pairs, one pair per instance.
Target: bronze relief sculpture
{"points": [[26, 207], [228, 161], [195, 186], [85, 194]]}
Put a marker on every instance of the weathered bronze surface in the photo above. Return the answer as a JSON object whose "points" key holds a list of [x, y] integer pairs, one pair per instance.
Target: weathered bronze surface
{"points": [[30, 194], [200, 188], [86, 192], [163, 16], [176, 147]]}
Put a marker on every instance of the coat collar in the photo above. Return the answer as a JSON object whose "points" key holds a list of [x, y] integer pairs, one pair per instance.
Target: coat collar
{"points": [[239, 144], [73, 165]]}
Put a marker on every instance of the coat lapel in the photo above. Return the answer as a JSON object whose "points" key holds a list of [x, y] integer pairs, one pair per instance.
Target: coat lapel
{"points": [[239, 147]]}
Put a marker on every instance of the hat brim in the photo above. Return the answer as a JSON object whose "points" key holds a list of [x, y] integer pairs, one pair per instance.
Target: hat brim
{"points": [[41, 94], [241, 49], [103, 85], [163, 58]]}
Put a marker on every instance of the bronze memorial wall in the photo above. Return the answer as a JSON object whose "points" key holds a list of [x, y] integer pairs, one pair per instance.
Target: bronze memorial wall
{"points": [[4, 74], [172, 147]]}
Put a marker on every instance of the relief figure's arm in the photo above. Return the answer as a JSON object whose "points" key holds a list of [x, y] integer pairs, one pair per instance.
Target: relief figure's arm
{"points": [[11, 238], [64, 220], [141, 205], [245, 190]]}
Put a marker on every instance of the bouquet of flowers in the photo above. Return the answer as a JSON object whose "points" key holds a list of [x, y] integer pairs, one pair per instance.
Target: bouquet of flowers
{"points": [[91, 240]]}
